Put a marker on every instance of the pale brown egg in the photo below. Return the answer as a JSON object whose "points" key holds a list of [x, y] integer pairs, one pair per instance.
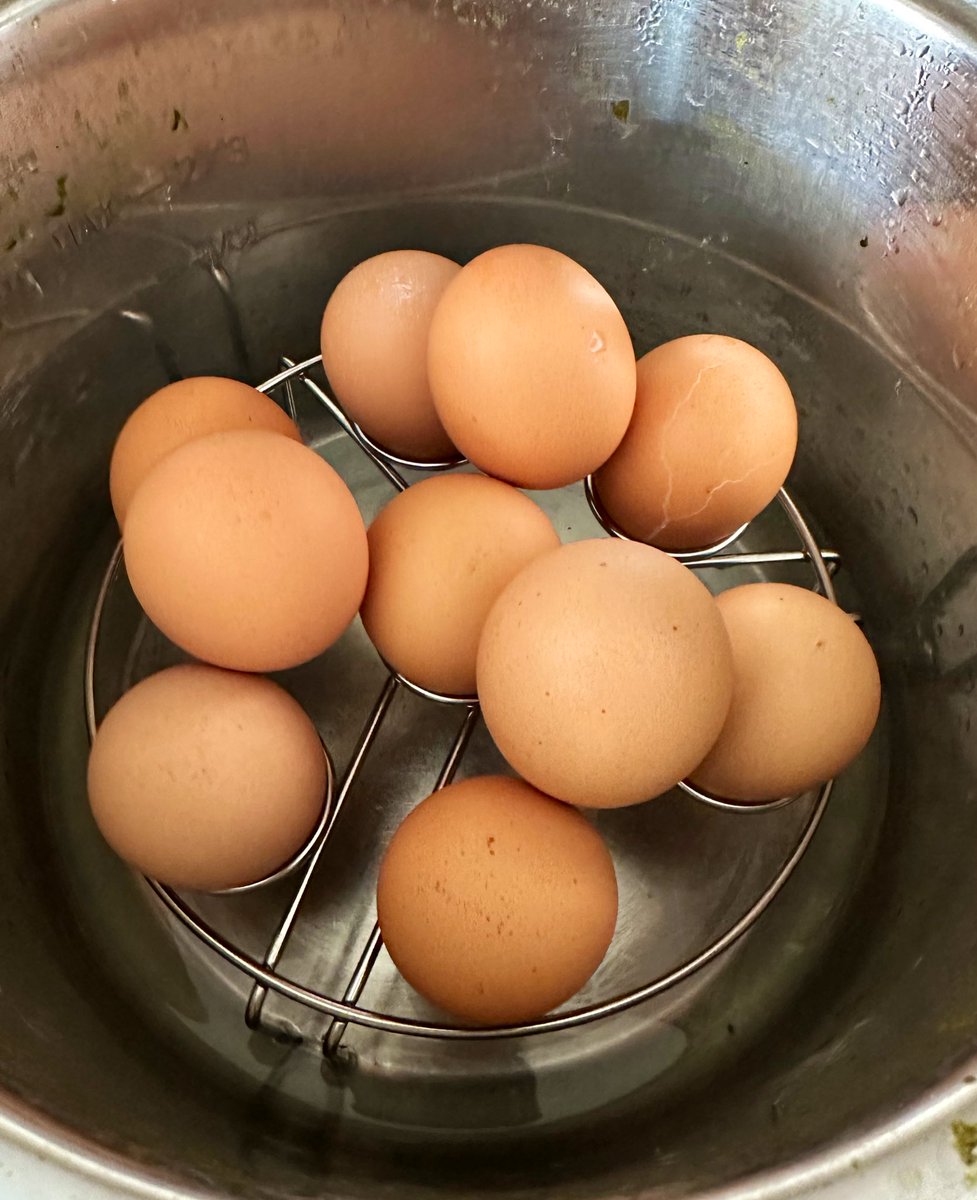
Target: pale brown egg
{"points": [[374, 349], [176, 415], [806, 694], [711, 441], [247, 550], [531, 367], [496, 902], [604, 672], [440, 554], [206, 779]]}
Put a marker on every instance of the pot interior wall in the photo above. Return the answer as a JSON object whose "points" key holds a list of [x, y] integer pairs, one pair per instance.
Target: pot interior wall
{"points": [[745, 187]]}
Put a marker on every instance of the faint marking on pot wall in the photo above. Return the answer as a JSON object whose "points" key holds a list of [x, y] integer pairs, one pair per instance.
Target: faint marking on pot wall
{"points": [[965, 1142]]}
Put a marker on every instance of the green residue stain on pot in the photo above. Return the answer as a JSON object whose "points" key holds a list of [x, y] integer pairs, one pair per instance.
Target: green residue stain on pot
{"points": [[965, 1143], [965, 1140], [621, 110], [742, 41], [58, 210]]}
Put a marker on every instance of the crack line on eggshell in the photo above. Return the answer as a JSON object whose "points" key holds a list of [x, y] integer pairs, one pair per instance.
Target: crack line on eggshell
{"points": [[667, 500], [727, 483]]}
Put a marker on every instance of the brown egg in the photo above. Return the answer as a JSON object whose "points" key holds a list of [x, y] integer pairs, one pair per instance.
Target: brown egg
{"points": [[496, 903], [206, 779], [176, 415], [374, 349], [440, 553], [806, 694], [247, 550], [604, 672], [531, 366], [711, 441]]}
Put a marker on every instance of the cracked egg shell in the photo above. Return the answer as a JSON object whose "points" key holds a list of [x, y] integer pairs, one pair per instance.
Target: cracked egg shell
{"points": [[710, 443]]}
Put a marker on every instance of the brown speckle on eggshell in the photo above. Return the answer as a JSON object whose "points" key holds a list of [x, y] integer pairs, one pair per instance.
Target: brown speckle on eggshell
{"points": [[496, 903]]}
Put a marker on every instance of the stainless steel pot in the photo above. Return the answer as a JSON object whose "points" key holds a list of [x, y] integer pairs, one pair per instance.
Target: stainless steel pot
{"points": [[182, 184]]}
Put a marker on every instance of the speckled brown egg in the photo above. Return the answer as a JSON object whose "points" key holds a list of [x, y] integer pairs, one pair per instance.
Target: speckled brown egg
{"points": [[247, 550], [604, 672], [806, 694], [440, 553], [711, 441], [496, 903], [206, 779], [531, 366], [374, 348], [177, 414]]}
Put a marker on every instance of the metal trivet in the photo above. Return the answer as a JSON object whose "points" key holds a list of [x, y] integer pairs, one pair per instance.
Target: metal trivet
{"points": [[346, 1010]]}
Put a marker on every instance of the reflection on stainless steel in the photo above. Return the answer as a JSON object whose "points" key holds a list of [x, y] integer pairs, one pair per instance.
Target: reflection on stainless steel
{"points": [[736, 805]]}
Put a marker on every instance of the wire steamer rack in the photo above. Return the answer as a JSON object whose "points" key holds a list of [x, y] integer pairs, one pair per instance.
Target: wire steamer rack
{"points": [[346, 1009]]}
